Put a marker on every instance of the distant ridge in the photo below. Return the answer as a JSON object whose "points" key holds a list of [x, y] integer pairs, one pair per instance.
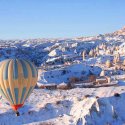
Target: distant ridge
{"points": [[120, 32]]}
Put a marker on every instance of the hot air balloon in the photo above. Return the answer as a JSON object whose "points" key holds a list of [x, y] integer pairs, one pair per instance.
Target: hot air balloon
{"points": [[18, 78]]}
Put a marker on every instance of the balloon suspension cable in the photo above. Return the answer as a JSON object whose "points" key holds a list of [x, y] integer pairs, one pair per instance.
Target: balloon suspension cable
{"points": [[17, 113]]}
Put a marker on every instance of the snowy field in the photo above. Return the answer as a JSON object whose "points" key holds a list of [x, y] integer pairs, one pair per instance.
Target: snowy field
{"points": [[93, 106]]}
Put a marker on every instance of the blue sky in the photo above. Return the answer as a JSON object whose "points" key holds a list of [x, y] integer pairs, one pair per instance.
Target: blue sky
{"points": [[59, 18]]}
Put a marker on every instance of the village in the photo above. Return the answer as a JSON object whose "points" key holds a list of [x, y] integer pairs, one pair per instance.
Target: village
{"points": [[112, 67]]}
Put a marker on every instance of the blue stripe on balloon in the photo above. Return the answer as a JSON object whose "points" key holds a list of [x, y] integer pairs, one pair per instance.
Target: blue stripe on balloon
{"points": [[10, 95], [15, 69], [36, 71], [32, 69], [25, 71], [5, 71], [16, 91], [23, 93], [29, 92]]}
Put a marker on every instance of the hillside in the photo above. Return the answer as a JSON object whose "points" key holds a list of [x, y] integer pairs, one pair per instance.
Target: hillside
{"points": [[97, 63]]}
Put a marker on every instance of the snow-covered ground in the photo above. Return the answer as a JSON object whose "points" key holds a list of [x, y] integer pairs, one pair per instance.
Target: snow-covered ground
{"points": [[79, 106], [59, 76]]}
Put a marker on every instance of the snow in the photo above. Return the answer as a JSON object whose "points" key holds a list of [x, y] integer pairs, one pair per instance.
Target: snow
{"points": [[53, 53], [58, 76], [57, 61], [68, 107]]}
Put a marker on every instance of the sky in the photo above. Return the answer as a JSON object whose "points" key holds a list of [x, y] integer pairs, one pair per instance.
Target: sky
{"points": [[20, 19]]}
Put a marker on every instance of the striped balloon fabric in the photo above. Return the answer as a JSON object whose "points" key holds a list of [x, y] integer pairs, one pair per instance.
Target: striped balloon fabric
{"points": [[18, 78]]}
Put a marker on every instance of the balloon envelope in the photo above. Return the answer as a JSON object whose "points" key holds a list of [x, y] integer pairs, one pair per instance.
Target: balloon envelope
{"points": [[18, 78]]}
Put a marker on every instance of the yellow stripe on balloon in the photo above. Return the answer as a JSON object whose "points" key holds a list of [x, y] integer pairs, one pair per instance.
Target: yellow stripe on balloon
{"points": [[11, 81], [6, 85], [2, 81], [20, 83]]}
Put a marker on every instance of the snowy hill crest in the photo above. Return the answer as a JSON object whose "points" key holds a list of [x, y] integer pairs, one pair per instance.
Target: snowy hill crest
{"points": [[120, 32]]}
